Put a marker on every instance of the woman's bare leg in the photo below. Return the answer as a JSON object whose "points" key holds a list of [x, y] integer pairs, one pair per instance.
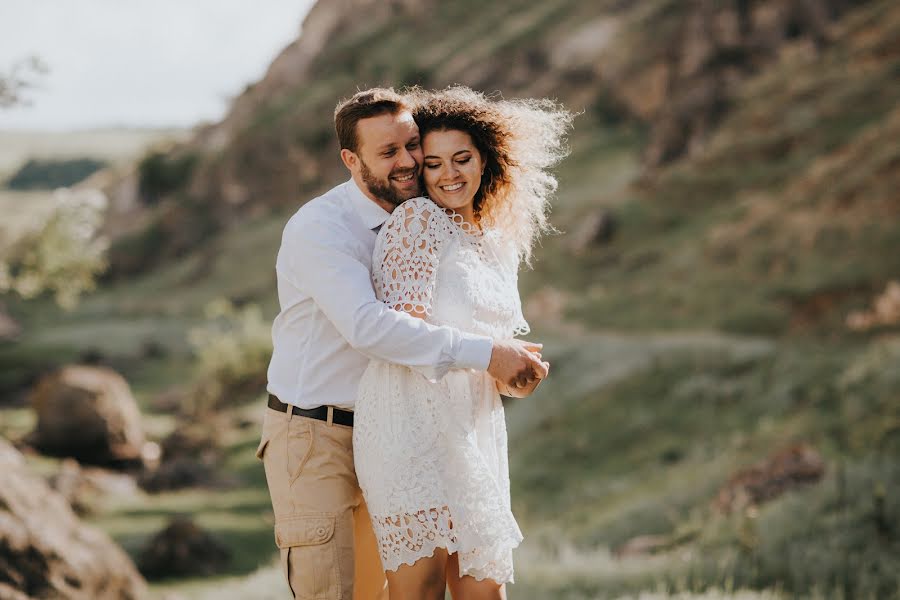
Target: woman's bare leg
{"points": [[469, 588], [426, 579]]}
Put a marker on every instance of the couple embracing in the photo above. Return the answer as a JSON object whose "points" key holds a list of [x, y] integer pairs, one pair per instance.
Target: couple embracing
{"points": [[384, 441]]}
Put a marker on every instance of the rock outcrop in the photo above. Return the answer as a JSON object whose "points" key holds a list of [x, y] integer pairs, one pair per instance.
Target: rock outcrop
{"points": [[84, 488], [686, 89], [183, 549], [790, 468], [673, 68], [87, 413], [189, 456], [47, 552]]}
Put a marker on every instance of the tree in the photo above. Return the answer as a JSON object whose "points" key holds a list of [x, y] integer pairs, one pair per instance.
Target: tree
{"points": [[64, 255], [19, 79]]}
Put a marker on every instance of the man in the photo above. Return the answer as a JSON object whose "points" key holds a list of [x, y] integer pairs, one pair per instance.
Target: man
{"points": [[329, 326]]}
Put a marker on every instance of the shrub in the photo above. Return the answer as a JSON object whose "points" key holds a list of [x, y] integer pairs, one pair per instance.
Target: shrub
{"points": [[233, 350], [136, 252], [64, 256], [160, 174], [839, 538]]}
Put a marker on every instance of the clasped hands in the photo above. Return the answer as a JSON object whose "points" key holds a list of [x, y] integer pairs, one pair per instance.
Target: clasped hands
{"points": [[518, 367]]}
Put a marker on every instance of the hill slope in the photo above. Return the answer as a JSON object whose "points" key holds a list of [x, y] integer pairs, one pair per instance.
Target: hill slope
{"points": [[730, 198]]}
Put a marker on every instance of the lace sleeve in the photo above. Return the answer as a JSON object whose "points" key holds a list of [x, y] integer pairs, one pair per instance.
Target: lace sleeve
{"points": [[407, 256], [520, 326], [509, 259]]}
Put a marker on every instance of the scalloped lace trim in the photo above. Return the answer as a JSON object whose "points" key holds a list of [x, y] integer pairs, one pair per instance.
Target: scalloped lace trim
{"points": [[405, 538]]}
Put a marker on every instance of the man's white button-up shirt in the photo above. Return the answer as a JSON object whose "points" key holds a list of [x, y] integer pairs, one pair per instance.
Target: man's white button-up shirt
{"points": [[331, 323]]}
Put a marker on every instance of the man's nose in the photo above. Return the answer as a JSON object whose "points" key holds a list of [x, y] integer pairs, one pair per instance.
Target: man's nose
{"points": [[406, 159]]}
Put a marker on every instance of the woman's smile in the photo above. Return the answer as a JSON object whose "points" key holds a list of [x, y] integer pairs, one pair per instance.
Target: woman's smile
{"points": [[453, 187], [452, 171]]}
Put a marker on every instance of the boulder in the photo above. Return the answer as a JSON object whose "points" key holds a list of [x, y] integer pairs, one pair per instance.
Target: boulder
{"points": [[189, 456], [183, 549], [88, 413], [885, 310], [795, 466], [47, 552], [84, 488]]}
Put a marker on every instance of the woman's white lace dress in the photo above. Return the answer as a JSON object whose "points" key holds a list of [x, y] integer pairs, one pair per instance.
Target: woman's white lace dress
{"points": [[431, 457]]}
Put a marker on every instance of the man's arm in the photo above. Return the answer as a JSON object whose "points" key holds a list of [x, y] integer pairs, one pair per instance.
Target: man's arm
{"points": [[341, 286]]}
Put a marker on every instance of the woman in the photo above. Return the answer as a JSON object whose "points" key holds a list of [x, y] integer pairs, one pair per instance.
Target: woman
{"points": [[431, 456]]}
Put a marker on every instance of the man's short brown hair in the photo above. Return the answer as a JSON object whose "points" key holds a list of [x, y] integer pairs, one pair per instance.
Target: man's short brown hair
{"points": [[363, 105]]}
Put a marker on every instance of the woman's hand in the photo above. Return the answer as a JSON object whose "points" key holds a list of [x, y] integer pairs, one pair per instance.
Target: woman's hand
{"points": [[514, 391]]}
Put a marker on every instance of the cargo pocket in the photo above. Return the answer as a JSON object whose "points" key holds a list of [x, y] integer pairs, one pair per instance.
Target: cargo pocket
{"points": [[309, 557]]}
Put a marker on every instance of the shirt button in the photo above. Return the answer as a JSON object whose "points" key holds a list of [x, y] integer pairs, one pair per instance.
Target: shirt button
{"points": [[320, 532]]}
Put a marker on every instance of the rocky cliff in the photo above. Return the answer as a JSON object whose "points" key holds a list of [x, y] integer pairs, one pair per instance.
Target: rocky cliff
{"points": [[673, 68]]}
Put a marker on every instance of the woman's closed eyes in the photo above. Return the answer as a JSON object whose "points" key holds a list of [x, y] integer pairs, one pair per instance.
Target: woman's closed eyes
{"points": [[461, 161]]}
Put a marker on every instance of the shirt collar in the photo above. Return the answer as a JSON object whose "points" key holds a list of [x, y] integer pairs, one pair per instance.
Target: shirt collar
{"points": [[371, 214]]}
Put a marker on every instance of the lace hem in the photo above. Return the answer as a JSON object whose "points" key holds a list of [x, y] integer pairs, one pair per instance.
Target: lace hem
{"points": [[405, 538]]}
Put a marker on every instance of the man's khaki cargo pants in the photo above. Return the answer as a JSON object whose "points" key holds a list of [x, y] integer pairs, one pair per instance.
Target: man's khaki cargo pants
{"points": [[322, 526]]}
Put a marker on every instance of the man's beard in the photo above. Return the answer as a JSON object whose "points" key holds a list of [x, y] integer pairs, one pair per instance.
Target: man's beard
{"points": [[383, 189]]}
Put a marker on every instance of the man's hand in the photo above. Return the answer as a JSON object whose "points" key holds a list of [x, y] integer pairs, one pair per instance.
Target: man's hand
{"points": [[517, 363], [522, 392]]}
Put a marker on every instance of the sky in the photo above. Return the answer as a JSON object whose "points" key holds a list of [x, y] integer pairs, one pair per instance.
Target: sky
{"points": [[140, 63]]}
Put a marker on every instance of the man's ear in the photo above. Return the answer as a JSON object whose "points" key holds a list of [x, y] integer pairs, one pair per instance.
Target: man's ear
{"points": [[350, 159]]}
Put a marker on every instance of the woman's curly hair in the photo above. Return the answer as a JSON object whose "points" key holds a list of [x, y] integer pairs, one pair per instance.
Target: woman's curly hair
{"points": [[519, 141]]}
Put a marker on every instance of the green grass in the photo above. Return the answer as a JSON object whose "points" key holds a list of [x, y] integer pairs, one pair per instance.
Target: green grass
{"points": [[646, 453]]}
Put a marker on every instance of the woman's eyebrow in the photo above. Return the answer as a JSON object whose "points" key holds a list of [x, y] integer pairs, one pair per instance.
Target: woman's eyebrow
{"points": [[458, 152]]}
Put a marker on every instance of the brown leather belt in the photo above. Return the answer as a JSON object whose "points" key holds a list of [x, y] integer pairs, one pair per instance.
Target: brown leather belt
{"points": [[339, 415]]}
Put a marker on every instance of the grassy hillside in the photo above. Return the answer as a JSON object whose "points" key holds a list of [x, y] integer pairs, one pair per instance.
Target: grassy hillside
{"points": [[705, 333], [787, 219]]}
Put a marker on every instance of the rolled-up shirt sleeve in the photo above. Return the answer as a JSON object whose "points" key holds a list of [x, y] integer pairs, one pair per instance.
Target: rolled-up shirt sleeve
{"points": [[341, 286]]}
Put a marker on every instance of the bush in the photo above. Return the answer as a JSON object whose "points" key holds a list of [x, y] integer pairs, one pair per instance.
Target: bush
{"points": [[161, 174], [136, 252], [65, 256], [182, 227], [233, 351], [839, 538]]}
